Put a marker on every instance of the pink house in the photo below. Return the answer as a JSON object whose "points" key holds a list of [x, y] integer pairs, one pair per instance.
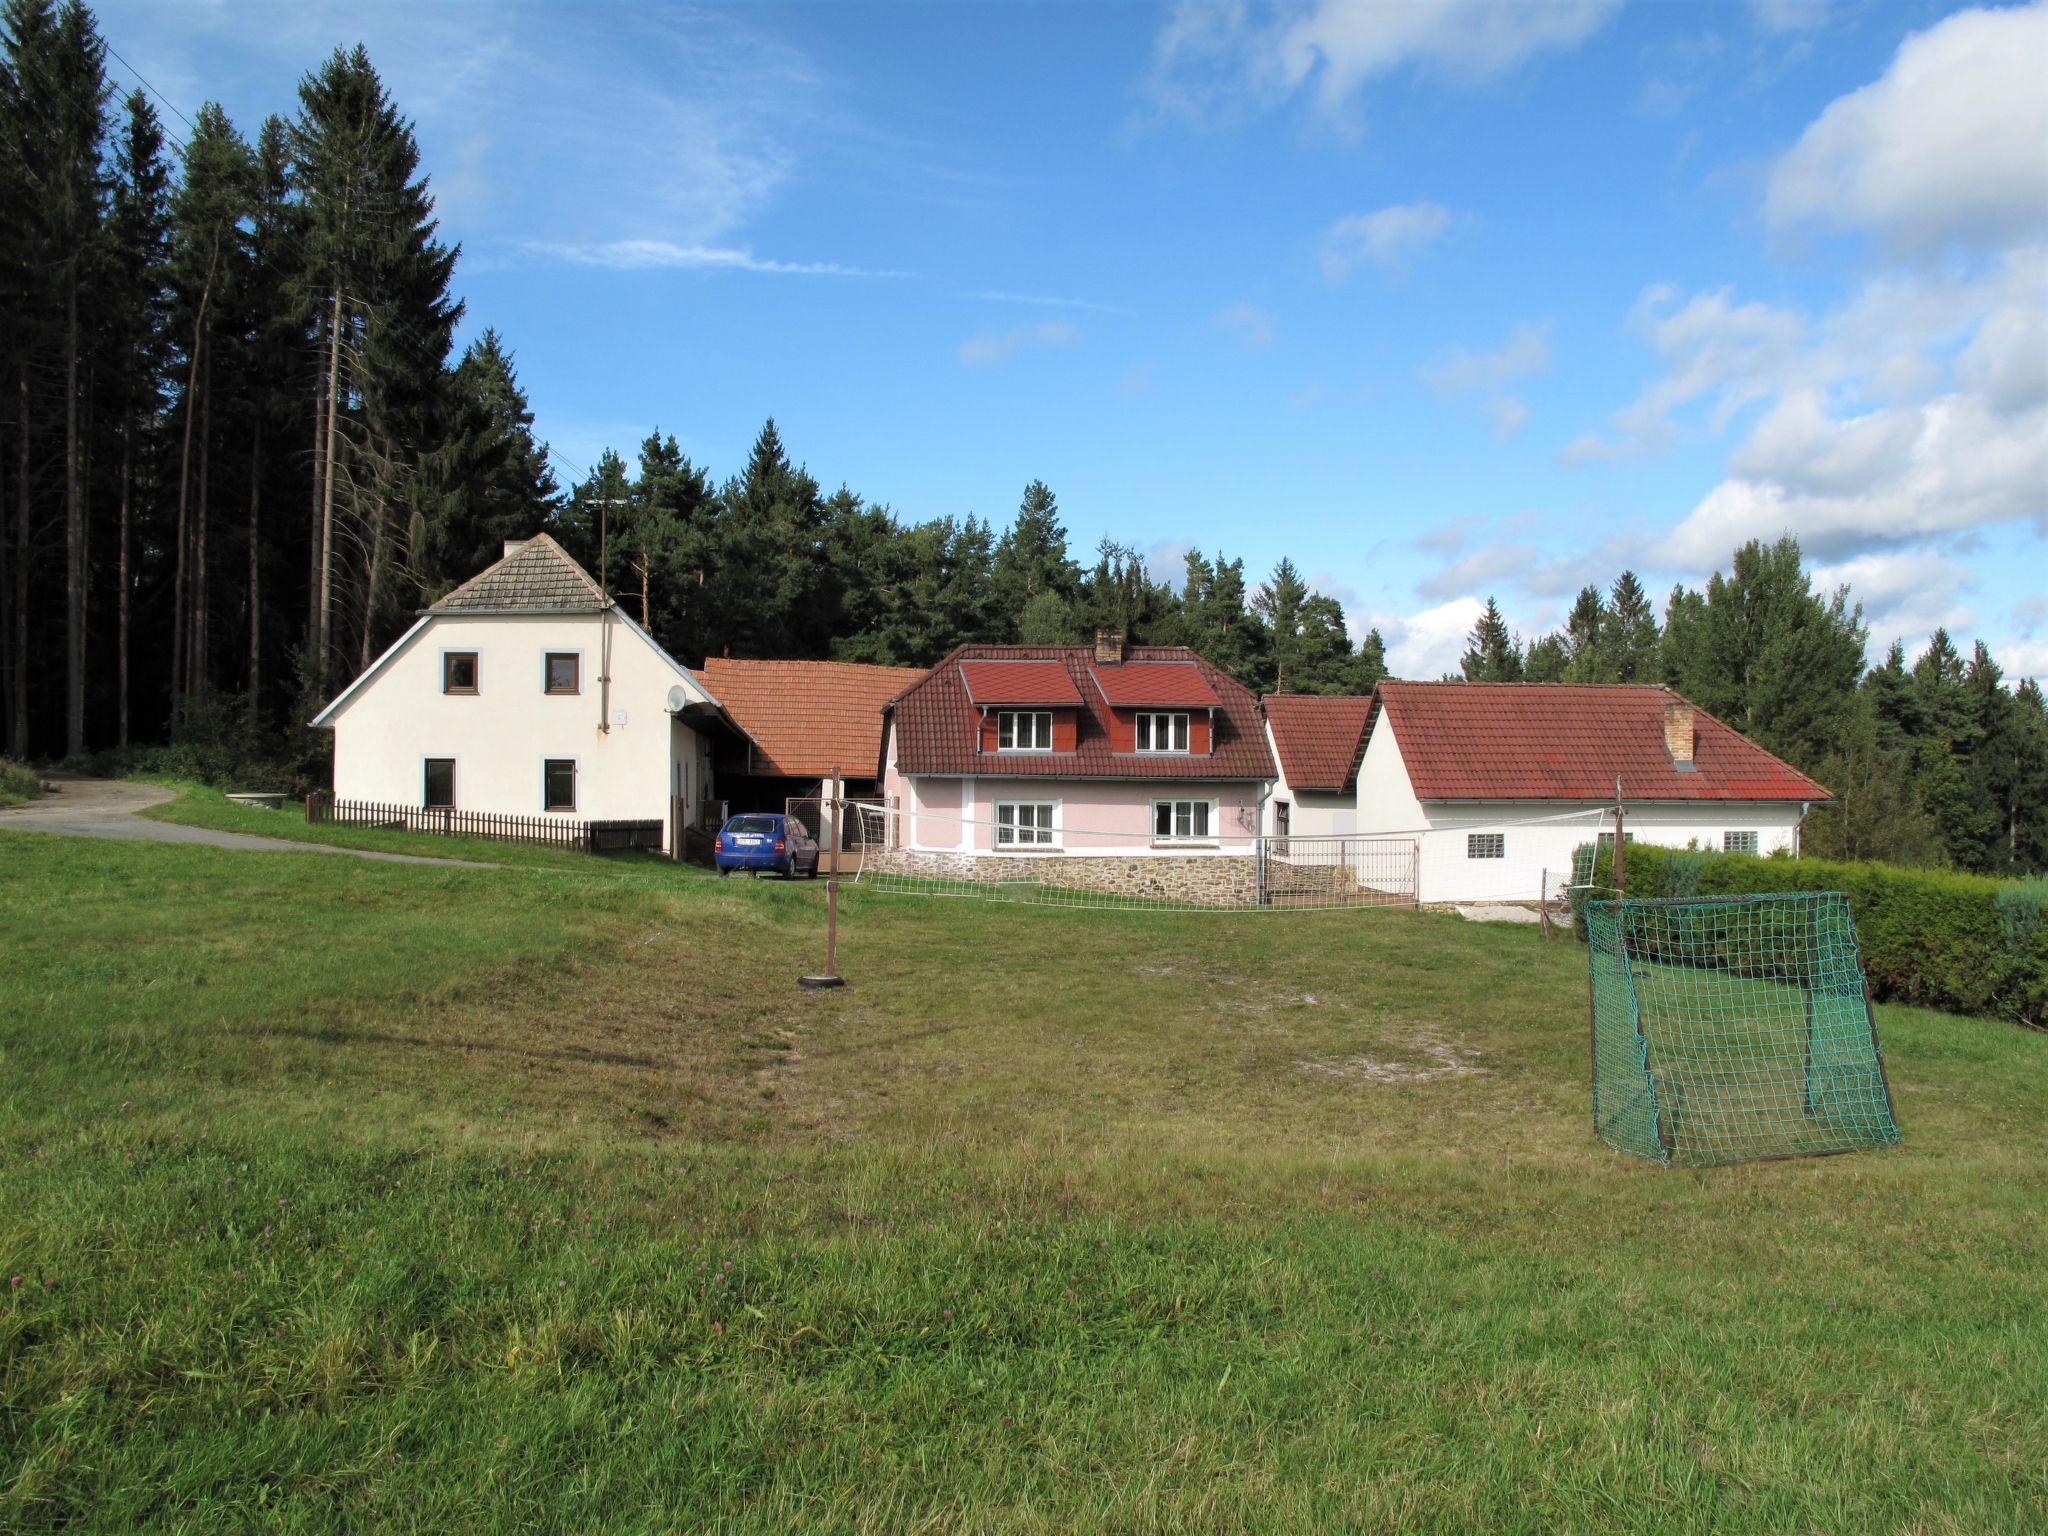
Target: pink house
{"points": [[1003, 755]]}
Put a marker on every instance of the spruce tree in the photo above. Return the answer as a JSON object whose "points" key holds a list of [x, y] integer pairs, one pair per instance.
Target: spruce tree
{"points": [[1587, 634], [1491, 653], [1279, 604], [1628, 646], [136, 311], [1031, 558]]}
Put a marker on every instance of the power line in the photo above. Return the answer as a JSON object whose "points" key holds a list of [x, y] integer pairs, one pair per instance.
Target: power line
{"points": [[159, 95]]}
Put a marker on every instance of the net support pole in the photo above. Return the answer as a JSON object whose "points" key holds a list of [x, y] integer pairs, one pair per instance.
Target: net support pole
{"points": [[831, 808], [1619, 881]]}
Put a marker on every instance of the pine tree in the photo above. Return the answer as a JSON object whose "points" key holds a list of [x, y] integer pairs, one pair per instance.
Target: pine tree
{"points": [[498, 482], [1586, 640], [1031, 558], [1629, 644], [136, 307], [1491, 654], [1549, 661], [1371, 667], [1279, 604], [1213, 619], [214, 197], [380, 280]]}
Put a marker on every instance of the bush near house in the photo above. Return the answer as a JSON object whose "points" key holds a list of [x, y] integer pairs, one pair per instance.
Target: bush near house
{"points": [[18, 782], [1964, 943]]}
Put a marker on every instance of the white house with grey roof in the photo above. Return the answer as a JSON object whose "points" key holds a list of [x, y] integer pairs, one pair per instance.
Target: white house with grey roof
{"points": [[527, 691]]}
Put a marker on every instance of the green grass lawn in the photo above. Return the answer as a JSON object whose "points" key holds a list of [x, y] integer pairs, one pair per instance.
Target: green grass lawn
{"points": [[348, 1195]]}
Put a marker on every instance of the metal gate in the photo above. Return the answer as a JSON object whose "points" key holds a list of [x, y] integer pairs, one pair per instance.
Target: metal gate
{"points": [[1338, 871]]}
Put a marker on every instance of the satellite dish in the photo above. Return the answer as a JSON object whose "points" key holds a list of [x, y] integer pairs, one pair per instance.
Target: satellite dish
{"points": [[678, 700]]}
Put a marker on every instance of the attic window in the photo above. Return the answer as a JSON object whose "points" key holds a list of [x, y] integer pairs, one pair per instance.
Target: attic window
{"points": [[564, 672], [458, 672], [1024, 730], [1162, 733]]}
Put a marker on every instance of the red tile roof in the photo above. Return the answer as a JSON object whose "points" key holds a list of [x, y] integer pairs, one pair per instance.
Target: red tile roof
{"points": [[1569, 741], [807, 716], [935, 723], [1320, 737], [1131, 684], [1018, 682]]}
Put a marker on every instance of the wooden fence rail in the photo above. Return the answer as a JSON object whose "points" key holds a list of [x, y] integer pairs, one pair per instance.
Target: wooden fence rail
{"points": [[446, 821]]}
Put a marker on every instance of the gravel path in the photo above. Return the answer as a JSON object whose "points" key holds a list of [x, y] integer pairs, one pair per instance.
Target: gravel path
{"points": [[107, 807]]}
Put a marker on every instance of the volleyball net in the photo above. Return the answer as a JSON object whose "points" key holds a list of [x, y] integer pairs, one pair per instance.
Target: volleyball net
{"points": [[1201, 855]]}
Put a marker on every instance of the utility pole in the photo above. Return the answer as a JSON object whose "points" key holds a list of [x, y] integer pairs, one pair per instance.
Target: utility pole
{"points": [[829, 823], [604, 617], [1619, 884]]}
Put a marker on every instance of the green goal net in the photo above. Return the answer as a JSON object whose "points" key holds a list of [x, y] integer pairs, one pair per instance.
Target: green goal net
{"points": [[1733, 1028]]}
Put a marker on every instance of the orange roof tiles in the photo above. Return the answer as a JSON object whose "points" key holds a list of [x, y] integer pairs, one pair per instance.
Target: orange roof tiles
{"points": [[1568, 741], [1320, 737], [936, 723], [1173, 684], [806, 717], [1018, 682]]}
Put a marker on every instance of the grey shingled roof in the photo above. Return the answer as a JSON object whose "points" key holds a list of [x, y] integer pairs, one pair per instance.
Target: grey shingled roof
{"points": [[537, 576]]}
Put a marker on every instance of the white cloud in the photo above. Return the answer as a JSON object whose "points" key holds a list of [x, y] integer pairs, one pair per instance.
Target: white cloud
{"points": [[1448, 538], [1712, 348], [1906, 594], [1485, 567], [1167, 561], [1789, 15], [1049, 301], [1250, 325], [1427, 644], [645, 255], [1945, 148], [1844, 485], [1214, 59], [992, 349], [1460, 373], [1389, 237]]}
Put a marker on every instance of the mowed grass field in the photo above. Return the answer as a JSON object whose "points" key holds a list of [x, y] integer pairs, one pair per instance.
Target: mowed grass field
{"points": [[345, 1196]]}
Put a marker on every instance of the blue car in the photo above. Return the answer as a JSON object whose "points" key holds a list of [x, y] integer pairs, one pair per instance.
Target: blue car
{"points": [[764, 842]]}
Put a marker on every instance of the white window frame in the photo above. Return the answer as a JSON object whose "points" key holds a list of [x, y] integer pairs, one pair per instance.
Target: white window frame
{"points": [[1473, 841], [1045, 835], [575, 786], [1754, 838], [561, 650], [1212, 811], [1010, 719], [1151, 722]]}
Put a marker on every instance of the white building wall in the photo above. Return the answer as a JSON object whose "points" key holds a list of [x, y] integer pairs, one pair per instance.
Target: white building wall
{"points": [[386, 730], [1311, 812], [1538, 837]]}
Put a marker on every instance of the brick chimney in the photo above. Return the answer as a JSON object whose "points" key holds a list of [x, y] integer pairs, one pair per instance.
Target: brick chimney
{"points": [[512, 547], [1678, 732], [1109, 646]]}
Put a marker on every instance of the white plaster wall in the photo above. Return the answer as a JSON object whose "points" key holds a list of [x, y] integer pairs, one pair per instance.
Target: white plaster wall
{"points": [[500, 735], [1538, 844], [1314, 813]]}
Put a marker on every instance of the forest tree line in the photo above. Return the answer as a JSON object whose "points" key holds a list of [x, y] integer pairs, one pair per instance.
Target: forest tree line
{"points": [[238, 450]]}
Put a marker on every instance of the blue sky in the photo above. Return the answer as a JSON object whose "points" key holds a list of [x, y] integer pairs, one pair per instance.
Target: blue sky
{"points": [[1442, 301]]}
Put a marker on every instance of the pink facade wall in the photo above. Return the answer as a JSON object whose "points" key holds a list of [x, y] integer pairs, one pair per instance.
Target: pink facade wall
{"points": [[1092, 815]]}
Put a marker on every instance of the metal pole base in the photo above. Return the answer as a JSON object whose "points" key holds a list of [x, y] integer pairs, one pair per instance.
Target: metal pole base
{"points": [[819, 983]]}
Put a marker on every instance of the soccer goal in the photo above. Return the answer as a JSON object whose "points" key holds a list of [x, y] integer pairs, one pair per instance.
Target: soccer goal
{"points": [[1727, 1029]]}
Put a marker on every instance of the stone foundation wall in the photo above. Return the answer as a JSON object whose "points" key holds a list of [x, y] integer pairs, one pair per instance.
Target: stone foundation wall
{"points": [[1216, 880]]}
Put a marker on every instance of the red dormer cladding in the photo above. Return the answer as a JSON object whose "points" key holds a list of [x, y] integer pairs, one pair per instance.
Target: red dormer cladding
{"points": [[995, 688], [947, 724], [1171, 687]]}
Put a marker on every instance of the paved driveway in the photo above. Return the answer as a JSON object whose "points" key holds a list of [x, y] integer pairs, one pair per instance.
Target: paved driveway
{"points": [[107, 807]]}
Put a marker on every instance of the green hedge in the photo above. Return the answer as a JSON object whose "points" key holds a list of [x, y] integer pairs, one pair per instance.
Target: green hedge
{"points": [[18, 782], [1964, 943]]}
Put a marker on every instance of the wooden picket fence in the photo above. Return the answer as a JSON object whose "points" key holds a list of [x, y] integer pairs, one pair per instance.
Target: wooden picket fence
{"points": [[446, 821]]}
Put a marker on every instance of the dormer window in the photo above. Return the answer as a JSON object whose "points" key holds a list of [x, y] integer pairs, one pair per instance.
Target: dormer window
{"points": [[1162, 732], [1024, 730]]}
